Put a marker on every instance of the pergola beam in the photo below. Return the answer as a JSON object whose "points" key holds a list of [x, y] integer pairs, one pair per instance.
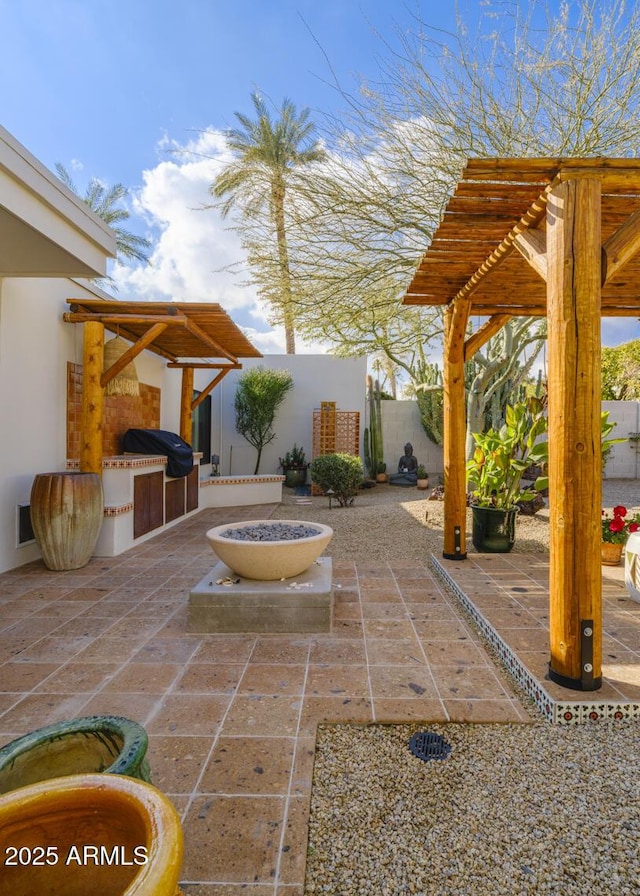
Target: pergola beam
{"points": [[214, 382], [132, 353], [456, 318], [575, 460], [531, 219]]}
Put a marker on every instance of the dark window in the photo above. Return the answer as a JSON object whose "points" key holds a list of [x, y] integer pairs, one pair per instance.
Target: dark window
{"points": [[201, 429]]}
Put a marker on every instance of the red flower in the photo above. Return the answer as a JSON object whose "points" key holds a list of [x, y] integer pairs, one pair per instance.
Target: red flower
{"points": [[616, 524], [619, 510], [633, 527]]}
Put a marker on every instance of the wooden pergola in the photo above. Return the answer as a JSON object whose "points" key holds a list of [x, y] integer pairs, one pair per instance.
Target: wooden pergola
{"points": [[559, 238], [189, 335]]}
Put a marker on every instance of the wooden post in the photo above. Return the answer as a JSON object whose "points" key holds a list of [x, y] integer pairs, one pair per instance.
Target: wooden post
{"points": [[575, 460], [454, 414], [186, 398], [92, 399]]}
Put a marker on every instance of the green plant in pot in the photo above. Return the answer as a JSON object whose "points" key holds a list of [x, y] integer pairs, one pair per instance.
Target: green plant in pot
{"points": [[495, 471], [294, 467], [423, 477]]}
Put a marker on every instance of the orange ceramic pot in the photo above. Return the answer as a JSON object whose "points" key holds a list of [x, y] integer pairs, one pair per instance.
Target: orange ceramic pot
{"points": [[610, 553], [89, 834]]}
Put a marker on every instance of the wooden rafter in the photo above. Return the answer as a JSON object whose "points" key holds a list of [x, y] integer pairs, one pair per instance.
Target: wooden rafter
{"points": [[497, 207], [194, 331]]}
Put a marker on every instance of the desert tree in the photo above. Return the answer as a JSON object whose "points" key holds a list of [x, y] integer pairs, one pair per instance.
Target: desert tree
{"points": [[621, 372], [259, 394], [526, 80]]}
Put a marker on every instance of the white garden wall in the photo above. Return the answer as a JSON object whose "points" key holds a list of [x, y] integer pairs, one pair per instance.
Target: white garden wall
{"points": [[401, 424], [316, 378], [624, 461]]}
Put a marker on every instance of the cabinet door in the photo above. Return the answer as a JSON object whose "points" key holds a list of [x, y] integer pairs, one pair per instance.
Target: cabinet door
{"points": [[193, 488], [148, 510], [174, 499]]}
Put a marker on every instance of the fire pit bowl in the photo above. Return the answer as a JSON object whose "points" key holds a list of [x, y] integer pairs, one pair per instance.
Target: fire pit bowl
{"points": [[269, 549]]}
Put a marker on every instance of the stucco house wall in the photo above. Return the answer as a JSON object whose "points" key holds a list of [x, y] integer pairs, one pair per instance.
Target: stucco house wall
{"points": [[48, 239], [35, 346]]}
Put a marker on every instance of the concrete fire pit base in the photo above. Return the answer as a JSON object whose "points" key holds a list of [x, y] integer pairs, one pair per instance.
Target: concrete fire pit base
{"points": [[302, 604]]}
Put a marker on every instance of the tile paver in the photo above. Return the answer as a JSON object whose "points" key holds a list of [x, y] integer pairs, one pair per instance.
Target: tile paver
{"points": [[232, 717]]}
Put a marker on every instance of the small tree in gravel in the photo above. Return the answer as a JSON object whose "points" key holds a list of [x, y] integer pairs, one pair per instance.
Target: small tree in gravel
{"points": [[259, 394], [340, 473]]}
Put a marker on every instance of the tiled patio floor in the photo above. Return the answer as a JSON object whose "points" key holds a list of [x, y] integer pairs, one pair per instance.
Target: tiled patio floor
{"points": [[232, 718], [510, 593]]}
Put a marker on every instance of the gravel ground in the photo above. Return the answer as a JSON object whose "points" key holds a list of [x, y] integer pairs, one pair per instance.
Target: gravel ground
{"points": [[386, 522], [515, 809]]}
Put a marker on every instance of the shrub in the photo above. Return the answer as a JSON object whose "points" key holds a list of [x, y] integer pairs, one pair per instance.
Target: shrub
{"points": [[340, 473], [259, 394]]}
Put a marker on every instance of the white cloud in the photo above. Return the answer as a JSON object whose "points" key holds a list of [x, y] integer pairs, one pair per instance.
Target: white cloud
{"points": [[195, 256]]}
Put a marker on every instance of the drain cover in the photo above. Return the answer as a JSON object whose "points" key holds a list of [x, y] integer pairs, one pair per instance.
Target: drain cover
{"points": [[427, 745]]}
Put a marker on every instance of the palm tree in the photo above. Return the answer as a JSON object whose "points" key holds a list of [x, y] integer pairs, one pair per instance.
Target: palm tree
{"points": [[266, 153], [103, 200]]}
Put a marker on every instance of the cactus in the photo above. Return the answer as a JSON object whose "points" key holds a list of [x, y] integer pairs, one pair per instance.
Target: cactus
{"points": [[430, 402], [373, 450]]}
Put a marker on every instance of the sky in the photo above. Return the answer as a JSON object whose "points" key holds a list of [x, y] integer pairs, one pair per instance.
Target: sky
{"points": [[141, 91]]}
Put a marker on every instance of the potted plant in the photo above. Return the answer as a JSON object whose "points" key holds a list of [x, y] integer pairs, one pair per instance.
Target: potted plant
{"points": [[381, 475], [495, 471], [294, 467], [615, 531], [423, 477]]}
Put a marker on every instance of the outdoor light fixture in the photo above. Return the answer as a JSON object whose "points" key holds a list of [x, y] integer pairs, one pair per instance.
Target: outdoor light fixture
{"points": [[126, 381]]}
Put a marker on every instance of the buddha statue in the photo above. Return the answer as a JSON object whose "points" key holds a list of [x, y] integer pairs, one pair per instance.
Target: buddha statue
{"points": [[407, 467]]}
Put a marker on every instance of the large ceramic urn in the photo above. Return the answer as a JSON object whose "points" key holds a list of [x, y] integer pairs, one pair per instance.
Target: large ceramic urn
{"points": [[66, 515]]}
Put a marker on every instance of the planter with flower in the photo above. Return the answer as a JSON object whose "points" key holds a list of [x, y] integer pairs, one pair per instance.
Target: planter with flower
{"points": [[294, 466], [495, 472], [615, 531]]}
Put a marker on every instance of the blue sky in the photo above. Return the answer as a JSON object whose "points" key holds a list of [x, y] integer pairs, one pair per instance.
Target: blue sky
{"points": [[103, 81], [139, 92]]}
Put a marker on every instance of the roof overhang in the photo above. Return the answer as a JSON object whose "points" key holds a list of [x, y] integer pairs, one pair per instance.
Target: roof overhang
{"points": [[45, 230], [490, 244]]}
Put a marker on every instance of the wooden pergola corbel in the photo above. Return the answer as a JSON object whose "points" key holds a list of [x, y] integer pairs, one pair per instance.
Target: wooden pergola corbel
{"points": [[576, 223], [188, 403]]}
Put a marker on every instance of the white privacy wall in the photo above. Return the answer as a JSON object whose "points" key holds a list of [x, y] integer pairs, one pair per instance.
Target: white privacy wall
{"points": [[401, 424], [624, 461], [316, 378]]}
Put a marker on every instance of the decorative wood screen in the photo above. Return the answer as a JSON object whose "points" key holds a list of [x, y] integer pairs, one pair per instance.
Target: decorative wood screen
{"points": [[335, 431]]}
